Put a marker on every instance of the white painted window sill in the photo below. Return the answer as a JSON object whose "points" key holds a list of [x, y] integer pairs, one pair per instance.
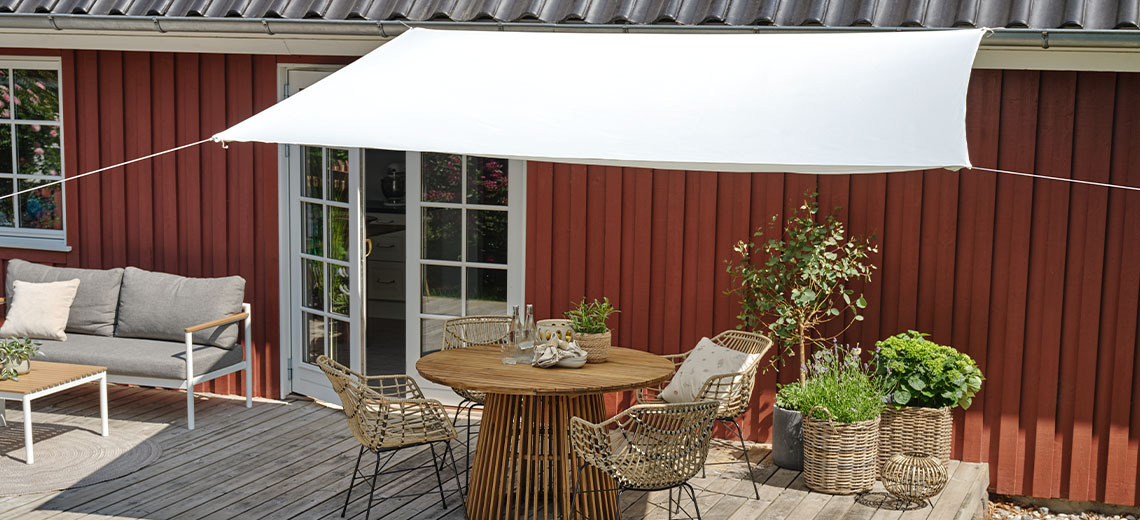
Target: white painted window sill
{"points": [[40, 244]]}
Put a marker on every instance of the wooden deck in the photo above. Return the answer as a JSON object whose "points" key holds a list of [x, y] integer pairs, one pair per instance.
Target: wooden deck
{"points": [[292, 459]]}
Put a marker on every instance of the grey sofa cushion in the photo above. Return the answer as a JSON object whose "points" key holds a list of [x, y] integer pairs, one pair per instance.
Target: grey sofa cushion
{"points": [[160, 306], [137, 357], [93, 311]]}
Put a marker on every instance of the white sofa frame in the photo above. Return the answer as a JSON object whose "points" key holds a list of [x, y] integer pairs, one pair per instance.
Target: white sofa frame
{"points": [[188, 384]]}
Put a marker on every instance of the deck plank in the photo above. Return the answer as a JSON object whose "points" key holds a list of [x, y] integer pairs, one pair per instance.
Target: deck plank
{"points": [[292, 460]]}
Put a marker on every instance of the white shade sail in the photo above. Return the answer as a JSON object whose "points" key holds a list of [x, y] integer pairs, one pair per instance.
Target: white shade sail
{"points": [[787, 102]]}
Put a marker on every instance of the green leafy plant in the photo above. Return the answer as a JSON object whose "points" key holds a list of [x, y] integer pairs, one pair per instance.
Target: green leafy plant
{"points": [[836, 379], [921, 373], [590, 317], [798, 279], [13, 352], [789, 397]]}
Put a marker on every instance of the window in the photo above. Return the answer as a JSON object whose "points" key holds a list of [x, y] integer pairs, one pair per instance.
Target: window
{"points": [[31, 154], [465, 237]]}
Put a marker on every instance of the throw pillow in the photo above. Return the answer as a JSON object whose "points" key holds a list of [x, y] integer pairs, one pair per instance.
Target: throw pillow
{"points": [[39, 310], [706, 360]]}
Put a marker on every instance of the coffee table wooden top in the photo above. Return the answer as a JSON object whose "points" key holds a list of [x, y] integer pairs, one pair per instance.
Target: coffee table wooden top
{"points": [[45, 374], [480, 369]]}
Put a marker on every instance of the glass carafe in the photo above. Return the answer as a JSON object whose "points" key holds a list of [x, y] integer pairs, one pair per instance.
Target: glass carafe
{"points": [[527, 336], [510, 350]]}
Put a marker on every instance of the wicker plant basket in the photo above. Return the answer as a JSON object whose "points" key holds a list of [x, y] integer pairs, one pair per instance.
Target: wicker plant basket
{"points": [[912, 429], [597, 346], [840, 458], [914, 476]]}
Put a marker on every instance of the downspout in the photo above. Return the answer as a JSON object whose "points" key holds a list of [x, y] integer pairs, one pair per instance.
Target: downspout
{"points": [[1008, 37]]}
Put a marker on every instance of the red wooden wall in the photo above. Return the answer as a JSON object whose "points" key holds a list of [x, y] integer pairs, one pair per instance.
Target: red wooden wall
{"points": [[1037, 280], [204, 211]]}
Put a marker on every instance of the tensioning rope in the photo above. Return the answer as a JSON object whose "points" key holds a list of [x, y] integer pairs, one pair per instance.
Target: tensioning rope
{"points": [[103, 169], [196, 143]]}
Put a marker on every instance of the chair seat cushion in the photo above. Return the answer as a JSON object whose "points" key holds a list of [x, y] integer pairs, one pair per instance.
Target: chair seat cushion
{"points": [[706, 360], [137, 357], [93, 311]]}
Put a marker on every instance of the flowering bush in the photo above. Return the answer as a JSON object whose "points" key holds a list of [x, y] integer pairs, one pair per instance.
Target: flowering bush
{"points": [[836, 379], [919, 372]]}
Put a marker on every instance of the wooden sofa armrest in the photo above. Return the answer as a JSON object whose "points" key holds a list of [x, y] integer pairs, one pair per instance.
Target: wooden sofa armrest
{"points": [[218, 322]]}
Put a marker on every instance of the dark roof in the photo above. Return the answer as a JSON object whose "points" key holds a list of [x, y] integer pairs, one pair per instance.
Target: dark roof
{"points": [[1034, 14]]}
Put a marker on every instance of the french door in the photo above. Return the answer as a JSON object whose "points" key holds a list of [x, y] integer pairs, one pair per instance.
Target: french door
{"points": [[325, 258]]}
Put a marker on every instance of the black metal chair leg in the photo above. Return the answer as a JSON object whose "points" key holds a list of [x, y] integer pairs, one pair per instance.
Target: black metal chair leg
{"points": [[351, 483], [670, 505], [692, 495], [437, 464], [618, 513], [744, 448], [467, 446], [575, 490], [455, 469], [372, 491]]}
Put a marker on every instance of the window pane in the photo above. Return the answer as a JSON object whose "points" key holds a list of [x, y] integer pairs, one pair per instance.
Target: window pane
{"points": [[441, 290], [311, 172], [7, 211], [312, 224], [431, 335], [441, 177], [338, 341], [338, 175], [313, 334], [338, 289], [5, 95], [487, 236], [487, 181], [441, 228], [37, 95], [37, 149], [486, 291], [6, 149], [42, 208], [313, 292], [338, 233]]}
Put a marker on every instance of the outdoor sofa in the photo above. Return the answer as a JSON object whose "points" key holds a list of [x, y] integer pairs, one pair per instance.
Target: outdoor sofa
{"points": [[148, 328]]}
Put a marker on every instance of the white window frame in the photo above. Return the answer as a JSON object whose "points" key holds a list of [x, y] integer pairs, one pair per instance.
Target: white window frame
{"points": [[516, 255], [28, 238]]}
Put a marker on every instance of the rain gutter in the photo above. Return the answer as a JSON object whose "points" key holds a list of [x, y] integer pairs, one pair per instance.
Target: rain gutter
{"points": [[1005, 37]]}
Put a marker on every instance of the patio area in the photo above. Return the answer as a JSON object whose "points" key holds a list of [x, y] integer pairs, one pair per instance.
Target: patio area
{"points": [[291, 459]]}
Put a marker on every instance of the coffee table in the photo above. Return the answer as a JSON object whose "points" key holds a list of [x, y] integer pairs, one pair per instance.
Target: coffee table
{"points": [[46, 378]]}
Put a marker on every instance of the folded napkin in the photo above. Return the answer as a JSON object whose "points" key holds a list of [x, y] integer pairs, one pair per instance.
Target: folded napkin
{"points": [[554, 350]]}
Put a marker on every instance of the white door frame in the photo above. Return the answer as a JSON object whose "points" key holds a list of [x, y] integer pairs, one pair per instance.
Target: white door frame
{"points": [[516, 262]]}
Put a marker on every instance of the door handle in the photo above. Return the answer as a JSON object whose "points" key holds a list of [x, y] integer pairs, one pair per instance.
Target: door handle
{"points": [[368, 242], [386, 282]]}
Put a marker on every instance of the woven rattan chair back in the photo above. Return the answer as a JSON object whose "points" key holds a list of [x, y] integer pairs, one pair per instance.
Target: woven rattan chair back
{"points": [[475, 330], [734, 394], [648, 447], [386, 411]]}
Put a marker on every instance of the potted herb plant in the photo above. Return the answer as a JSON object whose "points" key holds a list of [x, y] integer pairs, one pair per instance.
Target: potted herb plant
{"points": [[790, 285], [16, 357], [588, 321], [841, 404], [924, 381]]}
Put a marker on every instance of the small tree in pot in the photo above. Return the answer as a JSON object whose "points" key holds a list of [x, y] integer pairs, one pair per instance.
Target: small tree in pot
{"points": [[924, 382], [588, 321], [791, 285]]}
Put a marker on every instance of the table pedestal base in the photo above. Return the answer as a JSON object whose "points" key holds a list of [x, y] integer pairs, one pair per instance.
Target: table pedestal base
{"points": [[524, 466]]}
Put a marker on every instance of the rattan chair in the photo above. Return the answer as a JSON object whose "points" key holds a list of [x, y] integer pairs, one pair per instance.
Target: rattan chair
{"points": [[386, 414], [465, 332], [731, 391], [649, 447]]}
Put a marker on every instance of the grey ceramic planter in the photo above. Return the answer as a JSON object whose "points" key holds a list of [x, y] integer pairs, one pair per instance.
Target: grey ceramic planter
{"points": [[788, 439]]}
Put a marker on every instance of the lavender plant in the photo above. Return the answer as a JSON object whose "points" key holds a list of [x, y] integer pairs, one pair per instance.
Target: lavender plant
{"points": [[836, 379]]}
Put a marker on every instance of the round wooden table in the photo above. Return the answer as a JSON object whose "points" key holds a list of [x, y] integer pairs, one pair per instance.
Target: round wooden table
{"points": [[524, 466]]}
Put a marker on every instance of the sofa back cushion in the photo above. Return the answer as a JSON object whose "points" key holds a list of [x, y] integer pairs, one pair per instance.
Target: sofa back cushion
{"points": [[93, 311], [161, 306]]}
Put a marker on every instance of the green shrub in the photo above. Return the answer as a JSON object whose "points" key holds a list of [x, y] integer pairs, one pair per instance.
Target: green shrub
{"points": [[919, 372], [590, 318], [838, 381]]}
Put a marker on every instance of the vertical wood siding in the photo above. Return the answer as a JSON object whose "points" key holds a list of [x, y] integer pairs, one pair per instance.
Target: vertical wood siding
{"points": [[1037, 280], [204, 211]]}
